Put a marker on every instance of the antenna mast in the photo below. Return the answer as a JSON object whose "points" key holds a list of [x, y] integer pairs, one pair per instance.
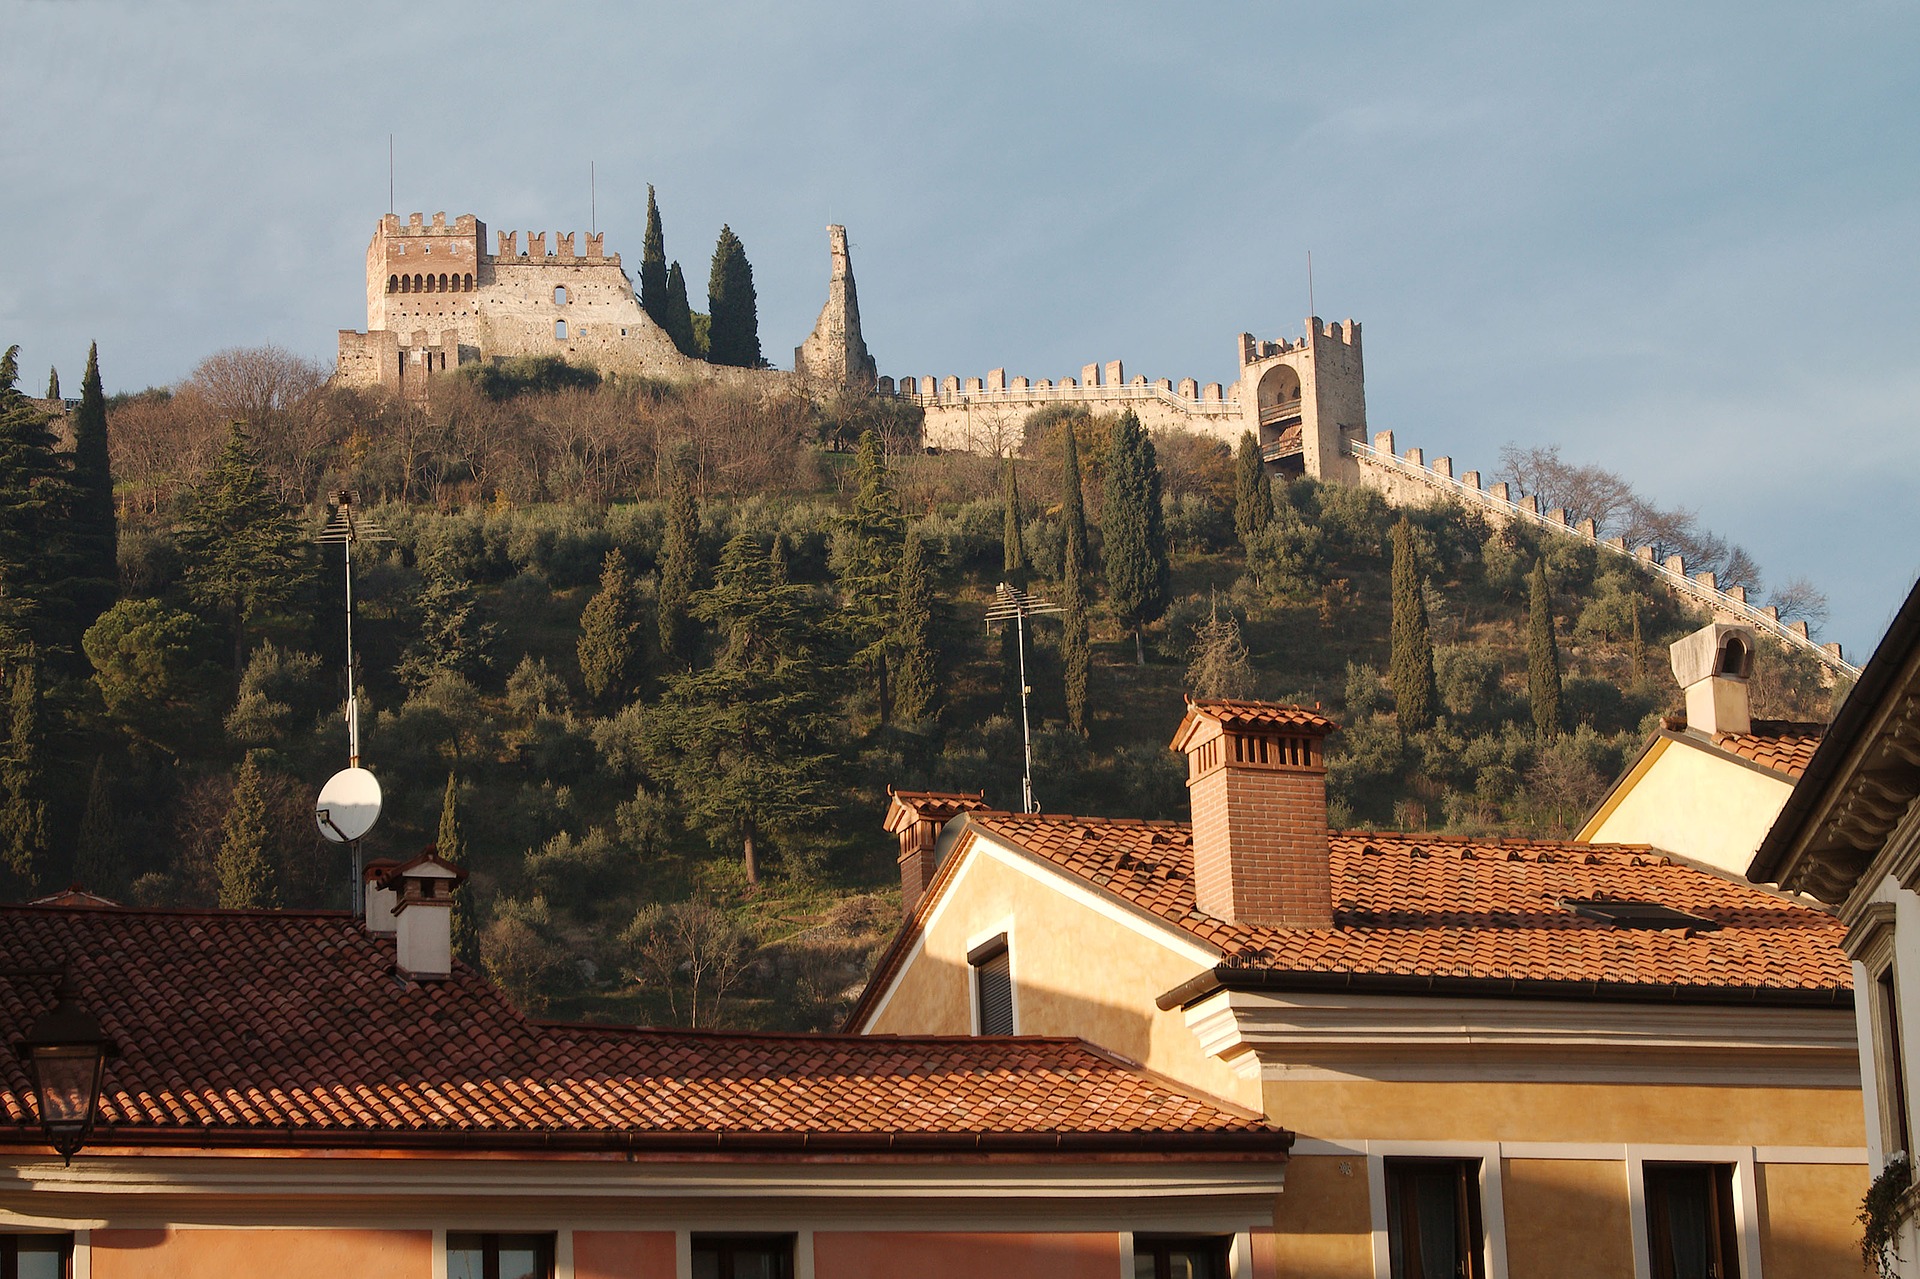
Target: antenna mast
{"points": [[389, 173], [1010, 603], [593, 199], [350, 801]]}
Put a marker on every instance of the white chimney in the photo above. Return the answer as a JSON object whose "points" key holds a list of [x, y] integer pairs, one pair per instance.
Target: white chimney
{"points": [[380, 897], [1713, 665], [423, 915]]}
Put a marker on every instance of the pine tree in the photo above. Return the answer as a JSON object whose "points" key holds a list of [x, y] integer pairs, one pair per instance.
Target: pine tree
{"points": [[9, 368], [679, 567], [1013, 541], [451, 845], [1135, 534], [449, 635], [53, 383], [98, 853], [677, 315], [1543, 656], [746, 742], [866, 556], [1252, 489], [734, 335], [609, 647], [1411, 669], [39, 574], [243, 864], [23, 821], [95, 522], [244, 556], [916, 678], [1075, 654], [653, 266]]}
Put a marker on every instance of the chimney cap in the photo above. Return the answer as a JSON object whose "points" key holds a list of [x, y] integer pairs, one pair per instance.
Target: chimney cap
{"points": [[911, 806], [428, 865], [1717, 650], [1232, 713]]}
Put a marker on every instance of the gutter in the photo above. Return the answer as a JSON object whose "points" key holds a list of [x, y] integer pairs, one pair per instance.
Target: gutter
{"points": [[1210, 981]]}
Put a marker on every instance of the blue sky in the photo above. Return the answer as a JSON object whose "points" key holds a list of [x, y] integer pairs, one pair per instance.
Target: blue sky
{"points": [[1677, 241]]}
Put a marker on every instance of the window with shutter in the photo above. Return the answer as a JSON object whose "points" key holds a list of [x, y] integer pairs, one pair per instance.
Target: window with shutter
{"points": [[1690, 1225], [992, 987], [1433, 1219]]}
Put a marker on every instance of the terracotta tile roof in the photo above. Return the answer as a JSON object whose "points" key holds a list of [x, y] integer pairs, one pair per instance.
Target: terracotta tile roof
{"points": [[1423, 906], [1244, 714], [909, 806], [1782, 745], [265, 1028]]}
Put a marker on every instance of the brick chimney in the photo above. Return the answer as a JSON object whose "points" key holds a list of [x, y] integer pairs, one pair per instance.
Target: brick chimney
{"points": [[1713, 665], [1257, 781], [917, 817], [423, 915]]}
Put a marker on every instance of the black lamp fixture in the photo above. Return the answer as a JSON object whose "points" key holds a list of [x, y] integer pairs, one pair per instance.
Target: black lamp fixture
{"points": [[66, 1054]]}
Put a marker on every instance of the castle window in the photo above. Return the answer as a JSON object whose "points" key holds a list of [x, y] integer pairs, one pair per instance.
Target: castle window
{"points": [[417, 286], [560, 329], [467, 282], [393, 284], [560, 295], [443, 284]]}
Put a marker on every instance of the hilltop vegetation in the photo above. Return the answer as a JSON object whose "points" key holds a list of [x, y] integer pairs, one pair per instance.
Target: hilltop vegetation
{"points": [[646, 657]]}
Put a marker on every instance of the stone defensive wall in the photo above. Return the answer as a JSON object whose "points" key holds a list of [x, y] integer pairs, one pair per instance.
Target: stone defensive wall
{"points": [[987, 415], [1409, 479]]}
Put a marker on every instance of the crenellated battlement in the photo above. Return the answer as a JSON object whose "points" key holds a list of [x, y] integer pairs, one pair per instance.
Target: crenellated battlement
{"points": [[507, 250], [1095, 385]]}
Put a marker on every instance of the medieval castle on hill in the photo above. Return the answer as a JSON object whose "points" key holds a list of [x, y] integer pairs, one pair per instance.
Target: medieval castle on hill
{"points": [[436, 299]]}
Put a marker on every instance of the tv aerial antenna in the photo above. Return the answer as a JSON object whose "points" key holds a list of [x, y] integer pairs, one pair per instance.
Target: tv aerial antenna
{"points": [[349, 803], [1012, 604]]}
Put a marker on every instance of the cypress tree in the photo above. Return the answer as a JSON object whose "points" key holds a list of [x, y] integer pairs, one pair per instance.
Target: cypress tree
{"points": [[24, 817], [95, 522], [679, 566], [1013, 542], [97, 864], [1637, 647], [244, 556], [609, 645], [9, 368], [53, 383], [1074, 649], [678, 315], [243, 865], [451, 844], [1543, 656], [653, 266], [1135, 533], [916, 673], [734, 335], [1411, 669], [37, 498], [870, 549], [1252, 489]]}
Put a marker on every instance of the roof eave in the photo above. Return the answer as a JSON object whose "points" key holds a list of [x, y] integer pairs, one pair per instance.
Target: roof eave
{"points": [[1210, 981]]}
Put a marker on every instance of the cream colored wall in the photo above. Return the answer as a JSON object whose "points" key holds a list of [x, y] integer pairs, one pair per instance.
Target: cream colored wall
{"points": [[623, 1254], [1321, 1221], [1663, 1114], [1809, 1213], [1076, 971], [283, 1253], [1709, 809], [859, 1254]]}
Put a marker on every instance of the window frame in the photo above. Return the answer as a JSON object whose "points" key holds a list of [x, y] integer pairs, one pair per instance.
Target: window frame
{"points": [[1724, 1226], [548, 1245], [1468, 1173], [1161, 1247], [1493, 1217], [1870, 946], [982, 949], [1746, 1217], [10, 1250], [728, 1240]]}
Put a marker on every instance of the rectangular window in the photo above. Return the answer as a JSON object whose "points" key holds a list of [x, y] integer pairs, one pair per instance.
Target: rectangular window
{"points": [[36, 1256], [494, 1256], [1896, 1126], [1433, 1219], [1690, 1227], [992, 986], [1158, 1258], [742, 1257]]}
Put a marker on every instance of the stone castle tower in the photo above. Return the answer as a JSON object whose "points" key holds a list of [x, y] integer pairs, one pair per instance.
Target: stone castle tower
{"points": [[835, 352]]}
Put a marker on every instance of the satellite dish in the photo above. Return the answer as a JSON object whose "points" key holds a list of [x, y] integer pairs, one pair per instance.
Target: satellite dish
{"points": [[348, 806]]}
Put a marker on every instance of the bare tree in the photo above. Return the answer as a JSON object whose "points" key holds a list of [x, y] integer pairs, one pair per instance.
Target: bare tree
{"points": [[692, 950], [1584, 492], [1799, 600]]}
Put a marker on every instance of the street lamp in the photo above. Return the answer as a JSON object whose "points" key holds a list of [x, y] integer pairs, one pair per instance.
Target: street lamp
{"points": [[66, 1053]]}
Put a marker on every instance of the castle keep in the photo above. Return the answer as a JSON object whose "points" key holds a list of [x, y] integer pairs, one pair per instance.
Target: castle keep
{"points": [[437, 299]]}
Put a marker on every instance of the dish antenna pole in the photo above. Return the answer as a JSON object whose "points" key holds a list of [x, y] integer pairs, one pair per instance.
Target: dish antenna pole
{"points": [[349, 803], [1011, 604]]}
